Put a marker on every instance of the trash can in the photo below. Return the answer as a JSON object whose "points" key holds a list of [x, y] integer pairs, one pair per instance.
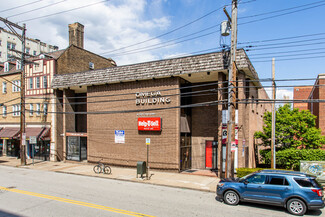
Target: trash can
{"points": [[141, 168]]}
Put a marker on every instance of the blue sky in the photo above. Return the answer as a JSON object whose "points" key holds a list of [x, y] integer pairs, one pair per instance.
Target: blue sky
{"points": [[117, 24]]}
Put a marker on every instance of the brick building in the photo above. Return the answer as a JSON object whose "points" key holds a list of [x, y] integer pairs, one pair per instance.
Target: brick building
{"points": [[318, 108], [34, 47], [179, 104], [39, 72], [301, 93]]}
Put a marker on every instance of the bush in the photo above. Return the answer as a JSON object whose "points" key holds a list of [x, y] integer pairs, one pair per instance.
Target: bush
{"points": [[290, 158], [241, 172]]}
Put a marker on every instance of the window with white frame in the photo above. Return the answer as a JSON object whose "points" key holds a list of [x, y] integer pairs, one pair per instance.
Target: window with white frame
{"points": [[31, 109], [16, 110], [27, 50], [6, 65], [18, 64], [4, 111], [16, 86], [4, 87], [37, 82], [45, 109], [31, 83], [34, 52], [38, 109], [45, 81]]}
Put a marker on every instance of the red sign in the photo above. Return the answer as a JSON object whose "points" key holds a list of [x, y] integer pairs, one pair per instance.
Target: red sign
{"points": [[149, 124]]}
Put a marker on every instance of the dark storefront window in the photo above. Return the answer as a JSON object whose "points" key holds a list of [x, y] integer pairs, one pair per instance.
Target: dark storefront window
{"points": [[76, 148]]}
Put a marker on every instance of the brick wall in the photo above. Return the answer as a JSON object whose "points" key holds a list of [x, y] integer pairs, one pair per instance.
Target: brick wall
{"points": [[301, 93], [75, 59], [164, 147]]}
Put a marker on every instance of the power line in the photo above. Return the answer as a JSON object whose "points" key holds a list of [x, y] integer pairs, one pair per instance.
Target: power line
{"points": [[61, 12], [275, 16], [272, 12], [288, 55], [169, 32], [21, 6], [301, 58], [55, 3], [280, 39], [172, 40]]}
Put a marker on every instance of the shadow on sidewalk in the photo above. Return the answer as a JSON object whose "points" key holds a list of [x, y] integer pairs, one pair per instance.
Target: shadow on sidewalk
{"points": [[3, 161]]}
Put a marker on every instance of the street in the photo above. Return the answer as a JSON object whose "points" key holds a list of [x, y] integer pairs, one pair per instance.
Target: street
{"points": [[26, 192]]}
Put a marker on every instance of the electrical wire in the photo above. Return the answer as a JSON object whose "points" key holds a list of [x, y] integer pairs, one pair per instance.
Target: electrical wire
{"points": [[286, 9], [21, 6], [61, 12], [36, 9]]}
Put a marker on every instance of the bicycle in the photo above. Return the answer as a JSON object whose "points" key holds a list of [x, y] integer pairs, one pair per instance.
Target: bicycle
{"points": [[102, 168]]}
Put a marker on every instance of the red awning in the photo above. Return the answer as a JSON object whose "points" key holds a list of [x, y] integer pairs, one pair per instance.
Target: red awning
{"points": [[46, 134], [9, 132], [33, 131]]}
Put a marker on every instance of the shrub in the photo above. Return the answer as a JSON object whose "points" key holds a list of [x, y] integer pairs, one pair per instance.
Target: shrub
{"points": [[241, 172], [290, 158]]}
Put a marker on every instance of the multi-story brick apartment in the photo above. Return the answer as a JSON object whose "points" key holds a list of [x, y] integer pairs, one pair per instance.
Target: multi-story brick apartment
{"points": [[176, 105], [34, 47], [301, 93], [40, 121], [318, 108], [315, 92]]}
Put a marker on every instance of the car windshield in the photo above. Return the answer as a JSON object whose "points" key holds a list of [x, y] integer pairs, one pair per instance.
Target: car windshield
{"points": [[245, 177]]}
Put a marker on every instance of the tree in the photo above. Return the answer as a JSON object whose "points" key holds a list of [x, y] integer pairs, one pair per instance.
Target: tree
{"points": [[293, 129]]}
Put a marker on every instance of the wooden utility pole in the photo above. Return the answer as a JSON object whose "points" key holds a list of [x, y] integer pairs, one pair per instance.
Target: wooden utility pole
{"points": [[273, 161], [232, 93], [22, 94], [22, 38]]}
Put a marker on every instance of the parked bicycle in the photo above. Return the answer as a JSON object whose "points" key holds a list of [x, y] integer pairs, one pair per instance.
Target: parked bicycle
{"points": [[102, 168]]}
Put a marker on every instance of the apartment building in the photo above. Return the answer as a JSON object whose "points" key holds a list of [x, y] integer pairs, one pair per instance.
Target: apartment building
{"points": [[40, 103], [34, 47]]}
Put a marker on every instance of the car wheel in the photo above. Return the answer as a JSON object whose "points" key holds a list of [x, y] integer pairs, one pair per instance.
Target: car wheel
{"points": [[231, 198], [296, 206]]}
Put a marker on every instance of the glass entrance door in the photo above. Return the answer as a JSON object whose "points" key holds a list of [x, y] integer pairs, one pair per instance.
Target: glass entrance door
{"points": [[76, 148]]}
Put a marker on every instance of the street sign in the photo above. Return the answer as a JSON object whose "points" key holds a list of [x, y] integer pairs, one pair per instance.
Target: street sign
{"points": [[147, 141], [32, 140], [24, 139], [233, 146]]}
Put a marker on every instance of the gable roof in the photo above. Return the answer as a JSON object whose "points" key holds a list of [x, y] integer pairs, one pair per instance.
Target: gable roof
{"points": [[154, 69]]}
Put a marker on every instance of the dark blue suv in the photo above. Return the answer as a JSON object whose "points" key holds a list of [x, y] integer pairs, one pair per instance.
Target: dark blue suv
{"points": [[293, 190]]}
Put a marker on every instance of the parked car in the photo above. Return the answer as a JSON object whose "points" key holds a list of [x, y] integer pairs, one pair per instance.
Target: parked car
{"points": [[293, 190]]}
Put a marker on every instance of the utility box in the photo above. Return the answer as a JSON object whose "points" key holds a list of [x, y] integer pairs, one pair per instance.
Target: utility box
{"points": [[141, 168]]}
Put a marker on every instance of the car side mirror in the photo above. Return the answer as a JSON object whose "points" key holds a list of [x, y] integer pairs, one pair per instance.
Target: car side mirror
{"points": [[246, 182]]}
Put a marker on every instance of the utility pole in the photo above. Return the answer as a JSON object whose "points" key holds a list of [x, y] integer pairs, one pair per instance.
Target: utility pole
{"points": [[22, 94], [273, 161], [22, 38], [232, 93]]}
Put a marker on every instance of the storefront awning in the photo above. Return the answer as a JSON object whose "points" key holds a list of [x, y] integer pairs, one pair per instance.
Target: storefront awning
{"points": [[46, 134], [33, 131], [9, 132], [184, 125]]}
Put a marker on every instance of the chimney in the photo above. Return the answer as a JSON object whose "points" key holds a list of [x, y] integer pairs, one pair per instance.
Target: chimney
{"points": [[76, 35]]}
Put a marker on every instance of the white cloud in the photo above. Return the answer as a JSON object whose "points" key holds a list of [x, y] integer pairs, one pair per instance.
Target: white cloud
{"points": [[108, 26]]}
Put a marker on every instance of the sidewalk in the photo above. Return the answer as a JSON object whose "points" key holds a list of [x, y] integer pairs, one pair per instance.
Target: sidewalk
{"points": [[202, 180]]}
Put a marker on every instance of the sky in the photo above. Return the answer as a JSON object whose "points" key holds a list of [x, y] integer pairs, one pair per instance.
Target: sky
{"points": [[134, 31]]}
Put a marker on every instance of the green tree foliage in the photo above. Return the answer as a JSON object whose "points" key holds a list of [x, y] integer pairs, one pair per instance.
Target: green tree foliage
{"points": [[290, 158], [293, 129]]}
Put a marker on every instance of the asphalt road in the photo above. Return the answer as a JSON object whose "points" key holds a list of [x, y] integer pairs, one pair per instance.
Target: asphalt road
{"points": [[34, 193]]}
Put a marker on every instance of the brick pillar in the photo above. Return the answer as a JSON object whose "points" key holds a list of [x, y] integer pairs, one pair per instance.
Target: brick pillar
{"points": [[68, 118]]}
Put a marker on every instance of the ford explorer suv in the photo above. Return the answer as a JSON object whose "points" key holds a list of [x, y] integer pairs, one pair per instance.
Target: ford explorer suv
{"points": [[295, 191]]}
